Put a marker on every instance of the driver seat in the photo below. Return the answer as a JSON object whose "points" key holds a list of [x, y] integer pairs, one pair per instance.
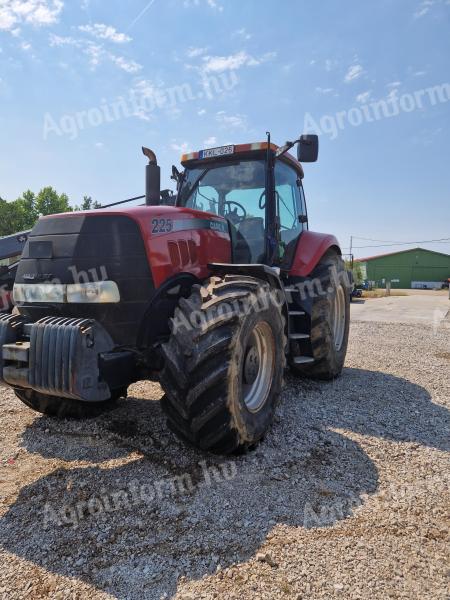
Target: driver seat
{"points": [[253, 233]]}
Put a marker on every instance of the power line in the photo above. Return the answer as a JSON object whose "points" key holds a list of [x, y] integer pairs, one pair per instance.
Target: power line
{"points": [[438, 241]]}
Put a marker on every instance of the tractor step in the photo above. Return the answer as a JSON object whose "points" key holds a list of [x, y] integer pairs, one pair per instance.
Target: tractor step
{"points": [[296, 313], [303, 360], [299, 336]]}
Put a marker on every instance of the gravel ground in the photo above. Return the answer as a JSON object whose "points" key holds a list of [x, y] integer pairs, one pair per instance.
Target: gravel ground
{"points": [[345, 498]]}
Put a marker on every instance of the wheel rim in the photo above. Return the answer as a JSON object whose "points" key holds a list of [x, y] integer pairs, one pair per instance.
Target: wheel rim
{"points": [[258, 367], [338, 317]]}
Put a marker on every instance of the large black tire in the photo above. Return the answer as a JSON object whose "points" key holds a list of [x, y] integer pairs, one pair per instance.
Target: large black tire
{"points": [[328, 358], [66, 408], [215, 335]]}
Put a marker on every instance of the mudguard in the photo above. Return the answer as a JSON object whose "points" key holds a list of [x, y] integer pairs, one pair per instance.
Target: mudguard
{"points": [[310, 249]]}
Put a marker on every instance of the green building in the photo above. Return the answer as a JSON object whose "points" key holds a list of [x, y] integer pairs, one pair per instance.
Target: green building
{"points": [[417, 268]]}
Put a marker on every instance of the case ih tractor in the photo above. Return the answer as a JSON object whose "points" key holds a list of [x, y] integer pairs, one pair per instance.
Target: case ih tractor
{"points": [[213, 297]]}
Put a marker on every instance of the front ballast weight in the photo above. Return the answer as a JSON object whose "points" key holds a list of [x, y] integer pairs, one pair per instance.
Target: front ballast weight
{"points": [[55, 356]]}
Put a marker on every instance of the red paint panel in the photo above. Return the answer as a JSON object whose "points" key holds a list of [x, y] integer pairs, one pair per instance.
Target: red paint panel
{"points": [[189, 251], [310, 249]]}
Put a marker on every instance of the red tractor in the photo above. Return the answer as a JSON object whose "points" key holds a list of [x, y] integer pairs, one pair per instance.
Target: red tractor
{"points": [[211, 297]]}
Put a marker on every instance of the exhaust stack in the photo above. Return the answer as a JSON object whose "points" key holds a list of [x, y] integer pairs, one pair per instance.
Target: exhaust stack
{"points": [[152, 179]]}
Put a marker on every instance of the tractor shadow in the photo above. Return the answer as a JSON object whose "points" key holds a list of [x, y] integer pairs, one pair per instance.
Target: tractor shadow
{"points": [[146, 509]]}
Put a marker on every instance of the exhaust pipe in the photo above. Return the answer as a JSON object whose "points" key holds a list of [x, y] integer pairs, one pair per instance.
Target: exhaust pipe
{"points": [[152, 179]]}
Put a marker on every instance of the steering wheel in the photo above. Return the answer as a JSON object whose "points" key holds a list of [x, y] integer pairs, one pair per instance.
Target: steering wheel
{"points": [[262, 204], [233, 214]]}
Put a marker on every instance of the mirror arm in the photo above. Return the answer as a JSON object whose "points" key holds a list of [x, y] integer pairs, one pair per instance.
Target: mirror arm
{"points": [[285, 148]]}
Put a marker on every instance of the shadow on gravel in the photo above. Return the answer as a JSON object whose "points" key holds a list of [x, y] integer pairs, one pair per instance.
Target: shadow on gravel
{"points": [[159, 510]]}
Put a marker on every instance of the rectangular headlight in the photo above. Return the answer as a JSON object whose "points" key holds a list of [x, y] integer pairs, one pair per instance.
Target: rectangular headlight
{"points": [[39, 292], [100, 291], [58, 293]]}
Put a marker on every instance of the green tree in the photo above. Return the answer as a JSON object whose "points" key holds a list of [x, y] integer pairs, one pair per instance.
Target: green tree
{"points": [[49, 202], [27, 207], [88, 204], [10, 217]]}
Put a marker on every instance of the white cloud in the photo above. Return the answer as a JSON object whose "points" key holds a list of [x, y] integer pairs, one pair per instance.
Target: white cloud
{"points": [[105, 32], [201, 112], [211, 3], [232, 62], [194, 52], [130, 66], [287, 68], [214, 4], [96, 53], [181, 147], [364, 97], [423, 8], [34, 12], [354, 72], [25, 46], [211, 141], [324, 91], [235, 121], [419, 73], [242, 33], [394, 84], [99, 144]]}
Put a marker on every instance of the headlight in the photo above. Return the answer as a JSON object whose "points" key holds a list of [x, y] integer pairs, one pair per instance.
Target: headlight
{"points": [[101, 291], [58, 293], [39, 292]]}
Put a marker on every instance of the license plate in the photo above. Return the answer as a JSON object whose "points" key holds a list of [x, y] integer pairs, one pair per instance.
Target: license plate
{"points": [[212, 152]]}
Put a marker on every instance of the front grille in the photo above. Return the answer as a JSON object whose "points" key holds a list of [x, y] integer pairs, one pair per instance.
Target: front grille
{"points": [[83, 248]]}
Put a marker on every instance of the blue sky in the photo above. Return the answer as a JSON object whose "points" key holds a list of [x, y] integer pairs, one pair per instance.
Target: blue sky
{"points": [[84, 84]]}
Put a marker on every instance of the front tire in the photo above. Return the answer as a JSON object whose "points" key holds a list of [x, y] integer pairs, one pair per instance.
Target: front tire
{"points": [[224, 364]]}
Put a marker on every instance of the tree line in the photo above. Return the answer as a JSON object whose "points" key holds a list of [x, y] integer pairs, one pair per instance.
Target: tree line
{"points": [[22, 214]]}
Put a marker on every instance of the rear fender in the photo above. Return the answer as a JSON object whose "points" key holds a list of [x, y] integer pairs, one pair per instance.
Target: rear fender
{"points": [[310, 249]]}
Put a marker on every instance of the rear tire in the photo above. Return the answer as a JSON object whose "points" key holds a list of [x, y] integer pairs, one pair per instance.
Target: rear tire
{"points": [[330, 320], [66, 408], [224, 364]]}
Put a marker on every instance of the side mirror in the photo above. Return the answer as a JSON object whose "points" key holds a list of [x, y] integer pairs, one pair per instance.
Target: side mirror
{"points": [[308, 148], [176, 175]]}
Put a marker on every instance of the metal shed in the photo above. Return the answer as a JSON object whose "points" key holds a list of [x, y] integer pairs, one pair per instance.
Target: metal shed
{"points": [[416, 268]]}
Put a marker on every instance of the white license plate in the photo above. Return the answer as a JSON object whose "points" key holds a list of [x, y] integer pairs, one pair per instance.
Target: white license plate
{"points": [[212, 152]]}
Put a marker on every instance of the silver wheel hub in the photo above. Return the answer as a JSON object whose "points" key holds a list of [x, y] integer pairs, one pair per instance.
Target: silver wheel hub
{"points": [[338, 313], [258, 366], [251, 365]]}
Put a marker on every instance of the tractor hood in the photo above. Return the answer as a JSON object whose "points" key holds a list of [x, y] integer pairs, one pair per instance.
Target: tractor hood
{"points": [[107, 265]]}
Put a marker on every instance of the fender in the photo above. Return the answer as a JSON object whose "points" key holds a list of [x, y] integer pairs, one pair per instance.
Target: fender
{"points": [[310, 249]]}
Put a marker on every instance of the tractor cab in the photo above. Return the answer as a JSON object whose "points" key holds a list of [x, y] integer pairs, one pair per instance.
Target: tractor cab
{"points": [[258, 189]]}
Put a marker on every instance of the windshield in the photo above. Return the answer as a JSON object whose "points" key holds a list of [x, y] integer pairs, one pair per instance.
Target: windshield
{"points": [[237, 191], [221, 187]]}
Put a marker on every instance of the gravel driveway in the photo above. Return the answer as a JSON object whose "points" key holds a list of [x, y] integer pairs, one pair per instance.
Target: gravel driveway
{"points": [[345, 498]]}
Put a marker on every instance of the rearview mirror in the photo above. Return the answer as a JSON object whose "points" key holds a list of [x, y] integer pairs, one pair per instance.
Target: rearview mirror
{"points": [[308, 148]]}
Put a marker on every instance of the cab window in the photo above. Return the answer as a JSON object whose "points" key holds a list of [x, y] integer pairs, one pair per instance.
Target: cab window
{"points": [[289, 205]]}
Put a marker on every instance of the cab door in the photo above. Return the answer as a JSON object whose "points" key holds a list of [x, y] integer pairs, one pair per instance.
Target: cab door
{"points": [[290, 210]]}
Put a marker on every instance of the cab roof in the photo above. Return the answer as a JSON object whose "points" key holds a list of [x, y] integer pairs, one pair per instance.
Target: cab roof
{"points": [[190, 157]]}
